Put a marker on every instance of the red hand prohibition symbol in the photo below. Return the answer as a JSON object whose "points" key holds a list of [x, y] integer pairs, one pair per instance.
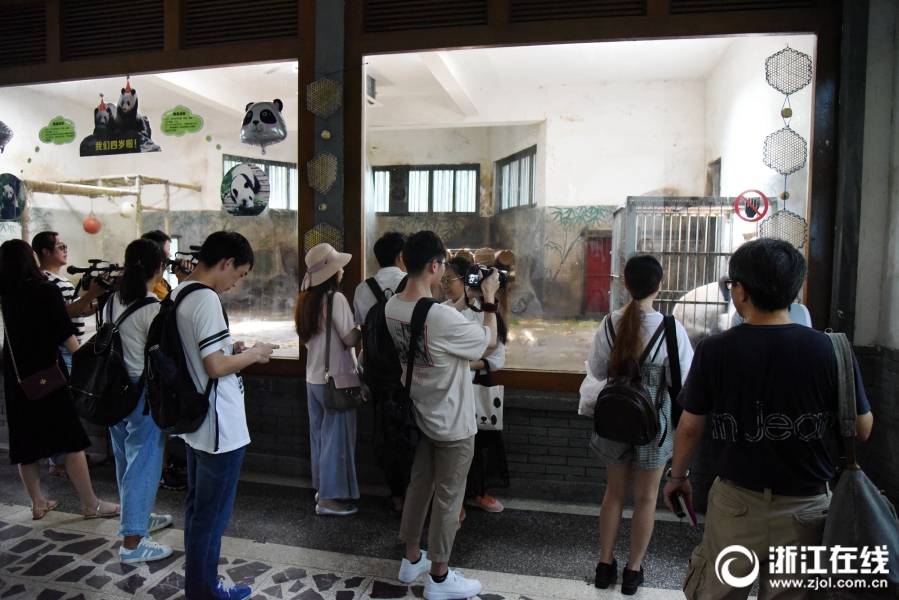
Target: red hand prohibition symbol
{"points": [[759, 212]]}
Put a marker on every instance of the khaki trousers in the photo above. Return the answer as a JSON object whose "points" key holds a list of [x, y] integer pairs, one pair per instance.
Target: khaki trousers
{"points": [[439, 471], [755, 521]]}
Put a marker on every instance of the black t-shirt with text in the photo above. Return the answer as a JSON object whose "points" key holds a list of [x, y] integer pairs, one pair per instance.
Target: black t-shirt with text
{"points": [[770, 392]]}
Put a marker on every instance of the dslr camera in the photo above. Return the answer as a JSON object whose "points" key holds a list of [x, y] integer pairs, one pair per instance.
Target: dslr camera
{"points": [[472, 279]]}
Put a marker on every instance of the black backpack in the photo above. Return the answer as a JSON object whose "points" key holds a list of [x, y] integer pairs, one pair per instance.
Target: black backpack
{"points": [[172, 398], [380, 362], [626, 410], [100, 385], [395, 434]]}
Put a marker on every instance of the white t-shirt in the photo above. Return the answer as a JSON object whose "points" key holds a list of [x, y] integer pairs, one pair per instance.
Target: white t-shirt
{"points": [[133, 331], [343, 362], [203, 330], [441, 381], [69, 296], [601, 351], [388, 279]]}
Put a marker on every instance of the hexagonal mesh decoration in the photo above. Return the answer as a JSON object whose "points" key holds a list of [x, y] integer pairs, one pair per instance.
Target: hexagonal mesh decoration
{"points": [[322, 171], [787, 226], [323, 97], [785, 151], [788, 71], [323, 233]]}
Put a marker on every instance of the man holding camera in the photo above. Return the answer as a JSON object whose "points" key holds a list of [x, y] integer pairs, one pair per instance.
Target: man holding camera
{"points": [[53, 255], [444, 410], [181, 271]]}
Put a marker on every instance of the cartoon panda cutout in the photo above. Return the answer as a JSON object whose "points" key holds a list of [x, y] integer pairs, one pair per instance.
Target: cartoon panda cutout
{"points": [[104, 119], [245, 190], [263, 124]]}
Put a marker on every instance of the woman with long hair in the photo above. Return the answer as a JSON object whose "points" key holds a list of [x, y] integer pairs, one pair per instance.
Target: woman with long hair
{"points": [[617, 347], [332, 433], [36, 324], [489, 463], [137, 443]]}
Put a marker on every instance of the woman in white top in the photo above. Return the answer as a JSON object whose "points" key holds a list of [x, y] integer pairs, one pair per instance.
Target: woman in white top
{"points": [[489, 462], [137, 443], [332, 433], [634, 328]]}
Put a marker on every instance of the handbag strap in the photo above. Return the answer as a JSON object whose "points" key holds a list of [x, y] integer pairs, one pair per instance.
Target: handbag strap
{"points": [[135, 306], [846, 396], [15, 368], [673, 356], [328, 334]]}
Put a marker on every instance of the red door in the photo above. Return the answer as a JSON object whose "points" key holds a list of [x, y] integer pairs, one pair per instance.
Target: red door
{"points": [[599, 274]]}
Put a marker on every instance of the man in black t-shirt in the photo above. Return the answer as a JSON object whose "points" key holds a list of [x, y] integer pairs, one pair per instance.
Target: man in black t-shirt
{"points": [[768, 388]]}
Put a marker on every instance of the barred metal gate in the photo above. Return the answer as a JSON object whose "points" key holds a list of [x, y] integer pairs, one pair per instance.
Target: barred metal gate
{"points": [[692, 238]]}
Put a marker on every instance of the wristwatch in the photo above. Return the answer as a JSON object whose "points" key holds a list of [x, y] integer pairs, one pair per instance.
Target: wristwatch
{"points": [[671, 479]]}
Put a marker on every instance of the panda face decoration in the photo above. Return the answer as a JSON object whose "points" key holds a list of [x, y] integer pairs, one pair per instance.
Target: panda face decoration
{"points": [[244, 188], [263, 124]]}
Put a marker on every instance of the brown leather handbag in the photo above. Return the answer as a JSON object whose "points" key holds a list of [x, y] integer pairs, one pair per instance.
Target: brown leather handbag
{"points": [[336, 398], [39, 384]]}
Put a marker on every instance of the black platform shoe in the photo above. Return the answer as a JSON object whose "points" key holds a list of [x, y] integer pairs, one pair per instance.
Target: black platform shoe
{"points": [[631, 580], [606, 575]]}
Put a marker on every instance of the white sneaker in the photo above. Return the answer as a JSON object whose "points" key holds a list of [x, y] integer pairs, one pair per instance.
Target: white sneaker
{"points": [[410, 572], [158, 522], [146, 551], [454, 586]]}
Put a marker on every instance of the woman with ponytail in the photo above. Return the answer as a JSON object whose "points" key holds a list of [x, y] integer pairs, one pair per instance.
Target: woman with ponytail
{"points": [[617, 347], [137, 442]]}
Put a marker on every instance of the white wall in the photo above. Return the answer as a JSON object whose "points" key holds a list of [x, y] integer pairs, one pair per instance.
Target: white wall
{"points": [[877, 300], [598, 143], [187, 159], [742, 110]]}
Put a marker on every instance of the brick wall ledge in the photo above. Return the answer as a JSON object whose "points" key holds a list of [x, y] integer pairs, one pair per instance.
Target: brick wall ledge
{"points": [[530, 400]]}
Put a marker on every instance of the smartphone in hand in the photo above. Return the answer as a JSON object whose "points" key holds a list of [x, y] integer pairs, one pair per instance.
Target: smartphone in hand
{"points": [[682, 508]]}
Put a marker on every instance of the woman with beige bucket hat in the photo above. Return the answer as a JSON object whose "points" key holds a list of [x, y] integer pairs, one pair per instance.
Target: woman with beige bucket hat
{"points": [[332, 433]]}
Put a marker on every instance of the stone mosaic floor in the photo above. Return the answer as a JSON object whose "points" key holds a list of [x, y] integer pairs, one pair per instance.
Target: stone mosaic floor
{"points": [[64, 557]]}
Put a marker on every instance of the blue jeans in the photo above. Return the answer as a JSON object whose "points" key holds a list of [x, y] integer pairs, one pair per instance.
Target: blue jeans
{"points": [[211, 485], [332, 438], [137, 444]]}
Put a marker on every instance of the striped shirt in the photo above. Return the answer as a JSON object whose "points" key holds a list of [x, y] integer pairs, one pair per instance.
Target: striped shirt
{"points": [[69, 296]]}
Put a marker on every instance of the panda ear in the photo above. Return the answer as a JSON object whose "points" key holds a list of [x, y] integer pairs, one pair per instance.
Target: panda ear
{"points": [[279, 104], [249, 105], [123, 90]]}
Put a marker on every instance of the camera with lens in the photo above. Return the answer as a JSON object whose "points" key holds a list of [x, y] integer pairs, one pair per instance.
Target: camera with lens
{"points": [[102, 271], [193, 257], [472, 279], [175, 264]]}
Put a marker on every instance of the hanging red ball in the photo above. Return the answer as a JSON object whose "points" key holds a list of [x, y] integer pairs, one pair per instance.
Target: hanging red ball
{"points": [[92, 225]]}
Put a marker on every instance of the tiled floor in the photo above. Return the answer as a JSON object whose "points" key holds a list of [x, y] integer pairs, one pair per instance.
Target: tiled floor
{"points": [[64, 557], [277, 545]]}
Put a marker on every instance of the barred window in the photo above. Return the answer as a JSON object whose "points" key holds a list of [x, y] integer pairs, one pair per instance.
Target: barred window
{"points": [[516, 179], [405, 189]]}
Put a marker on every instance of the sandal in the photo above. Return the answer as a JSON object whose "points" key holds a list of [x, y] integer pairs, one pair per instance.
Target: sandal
{"points": [[96, 513], [39, 513]]}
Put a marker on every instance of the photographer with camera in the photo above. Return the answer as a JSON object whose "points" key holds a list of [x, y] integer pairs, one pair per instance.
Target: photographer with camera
{"points": [[444, 409], [489, 454], [179, 268], [53, 254]]}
